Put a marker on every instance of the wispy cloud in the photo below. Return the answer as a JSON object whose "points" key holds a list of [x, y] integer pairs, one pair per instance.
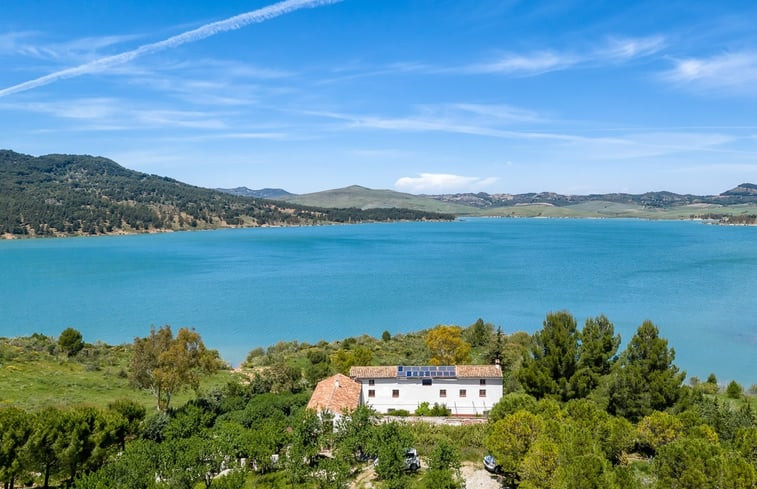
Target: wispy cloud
{"points": [[207, 30], [624, 49], [524, 64], [613, 50], [27, 44], [443, 182], [736, 70]]}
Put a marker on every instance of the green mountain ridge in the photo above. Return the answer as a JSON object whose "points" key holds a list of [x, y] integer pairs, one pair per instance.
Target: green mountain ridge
{"points": [[738, 205], [69, 195]]}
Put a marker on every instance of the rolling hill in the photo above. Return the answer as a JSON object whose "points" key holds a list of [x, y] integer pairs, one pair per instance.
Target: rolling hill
{"points": [[738, 205], [366, 198], [64, 195]]}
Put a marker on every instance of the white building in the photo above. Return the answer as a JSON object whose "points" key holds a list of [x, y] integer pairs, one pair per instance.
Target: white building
{"points": [[467, 390]]}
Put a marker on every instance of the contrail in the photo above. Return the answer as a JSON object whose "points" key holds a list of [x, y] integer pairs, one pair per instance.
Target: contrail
{"points": [[207, 30]]}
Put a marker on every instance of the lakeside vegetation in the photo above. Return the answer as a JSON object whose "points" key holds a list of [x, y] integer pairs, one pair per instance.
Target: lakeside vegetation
{"points": [[577, 413]]}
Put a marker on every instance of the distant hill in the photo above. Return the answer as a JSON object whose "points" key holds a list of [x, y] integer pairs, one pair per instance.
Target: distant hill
{"points": [[263, 193], [743, 190], [743, 194], [736, 205], [59, 195], [366, 198]]}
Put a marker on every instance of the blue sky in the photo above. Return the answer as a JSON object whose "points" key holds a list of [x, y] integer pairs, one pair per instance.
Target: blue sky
{"points": [[419, 96]]}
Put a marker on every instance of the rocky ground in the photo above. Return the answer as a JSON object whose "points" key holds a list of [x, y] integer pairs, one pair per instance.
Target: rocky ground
{"points": [[473, 473]]}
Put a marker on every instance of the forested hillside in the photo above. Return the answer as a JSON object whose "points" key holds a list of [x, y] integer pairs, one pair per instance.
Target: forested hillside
{"points": [[58, 195]]}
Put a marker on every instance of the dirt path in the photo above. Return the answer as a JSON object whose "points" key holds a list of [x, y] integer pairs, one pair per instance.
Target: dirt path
{"points": [[476, 477], [473, 473]]}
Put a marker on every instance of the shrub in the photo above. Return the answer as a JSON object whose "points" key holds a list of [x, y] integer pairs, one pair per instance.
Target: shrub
{"points": [[734, 390], [437, 410], [71, 341]]}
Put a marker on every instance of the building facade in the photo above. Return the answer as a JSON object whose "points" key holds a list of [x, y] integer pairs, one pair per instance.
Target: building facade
{"points": [[467, 390]]}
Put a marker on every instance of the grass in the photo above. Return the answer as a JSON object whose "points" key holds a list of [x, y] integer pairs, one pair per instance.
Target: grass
{"points": [[599, 209], [365, 198], [31, 379]]}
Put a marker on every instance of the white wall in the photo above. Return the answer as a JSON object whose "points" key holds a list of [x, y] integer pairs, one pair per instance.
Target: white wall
{"points": [[412, 393]]}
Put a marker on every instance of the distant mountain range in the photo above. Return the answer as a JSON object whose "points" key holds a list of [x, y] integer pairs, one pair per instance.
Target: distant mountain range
{"points": [[64, 195], [61, 195], [735, 205]]}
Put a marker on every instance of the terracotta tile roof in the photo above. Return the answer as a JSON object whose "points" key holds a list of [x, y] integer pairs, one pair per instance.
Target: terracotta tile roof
{"points": [[482, 371], [462, 371], [382, 372], [337, 394]]}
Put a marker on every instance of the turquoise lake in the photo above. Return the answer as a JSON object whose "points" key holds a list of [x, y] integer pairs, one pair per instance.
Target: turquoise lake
{"points": [[245, 288]]}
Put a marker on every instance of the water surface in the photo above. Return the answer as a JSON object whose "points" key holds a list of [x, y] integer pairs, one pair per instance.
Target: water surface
{"points": [[252, 287]]}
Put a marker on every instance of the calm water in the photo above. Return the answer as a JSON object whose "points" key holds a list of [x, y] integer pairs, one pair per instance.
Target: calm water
{"points": [[252, 287]]}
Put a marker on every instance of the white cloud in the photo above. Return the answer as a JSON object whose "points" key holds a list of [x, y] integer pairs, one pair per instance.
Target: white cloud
{"points": [[442, 182], [529, 64], [730, 70], [233, 23], [623, 49], [614, 50]]}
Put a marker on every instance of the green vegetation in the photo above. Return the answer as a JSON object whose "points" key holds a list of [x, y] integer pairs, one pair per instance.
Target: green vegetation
{"points": [[63, 195], [166, 365], [576, 414]]}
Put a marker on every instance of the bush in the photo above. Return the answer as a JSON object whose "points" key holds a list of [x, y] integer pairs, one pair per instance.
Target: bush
{"points": [[398, 412], [437, 410], [734, 390], [71, 341]]}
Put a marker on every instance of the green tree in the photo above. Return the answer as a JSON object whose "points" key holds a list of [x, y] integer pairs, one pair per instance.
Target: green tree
{"points": [[497, 348], [355, 432], [479, 333], [511, 437], [645, 378], [659, 429], [539, 464], [386, 336], [447, 346], [734, 390], [70, 341], [165, 365], [444, 467], [552, 358], [391, 441], [15, 429], [596, 354], [48, 432]]}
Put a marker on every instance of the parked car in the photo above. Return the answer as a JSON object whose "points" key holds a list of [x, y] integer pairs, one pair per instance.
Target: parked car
{"points": [[491, 465], [412, 461]]}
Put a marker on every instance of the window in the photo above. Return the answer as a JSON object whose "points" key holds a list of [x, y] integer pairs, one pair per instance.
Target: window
{"points": [[426, 381], [371, 393], [463, 393], [442, 392], [395, 392], [480, 382], [371, 382], [482, 393]]}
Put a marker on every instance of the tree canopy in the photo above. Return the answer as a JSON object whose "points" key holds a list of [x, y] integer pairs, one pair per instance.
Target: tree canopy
{"points": [[447, 346], [165, 365]]}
